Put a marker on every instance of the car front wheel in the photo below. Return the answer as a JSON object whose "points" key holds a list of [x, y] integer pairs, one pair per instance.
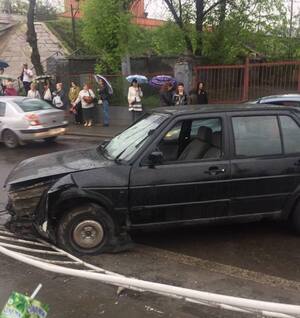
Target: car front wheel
{"points": [[50, 139], [10, 139], [87, 229]]}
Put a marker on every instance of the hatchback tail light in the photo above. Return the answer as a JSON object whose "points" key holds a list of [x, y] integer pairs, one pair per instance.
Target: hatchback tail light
{"points": [[33, 119]]}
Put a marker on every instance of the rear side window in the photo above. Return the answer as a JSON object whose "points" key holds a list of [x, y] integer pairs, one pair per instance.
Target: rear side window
{"points": [[256, 136], [291, 134], [2, 109], [32, 105]]}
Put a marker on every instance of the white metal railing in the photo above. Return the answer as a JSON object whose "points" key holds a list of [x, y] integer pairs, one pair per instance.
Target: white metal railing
{"points": [[56, 260]]}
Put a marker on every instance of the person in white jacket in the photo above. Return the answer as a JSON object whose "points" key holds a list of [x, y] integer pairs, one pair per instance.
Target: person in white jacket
{"points": [[135, 95], [87, 98], [33, 92]]}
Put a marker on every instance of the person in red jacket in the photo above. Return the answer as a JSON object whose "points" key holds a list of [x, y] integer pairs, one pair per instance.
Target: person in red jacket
{"points": [[10, 90]]}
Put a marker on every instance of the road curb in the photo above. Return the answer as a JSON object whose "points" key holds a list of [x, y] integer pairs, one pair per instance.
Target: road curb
{"points": [[110, 136]]}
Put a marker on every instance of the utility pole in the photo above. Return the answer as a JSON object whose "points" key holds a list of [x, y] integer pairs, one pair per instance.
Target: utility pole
{"points": [[291, 29], [291, 18], [74, 12]]}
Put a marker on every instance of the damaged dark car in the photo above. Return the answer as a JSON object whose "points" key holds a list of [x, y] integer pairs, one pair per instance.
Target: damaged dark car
{"points": [[175, 166]]}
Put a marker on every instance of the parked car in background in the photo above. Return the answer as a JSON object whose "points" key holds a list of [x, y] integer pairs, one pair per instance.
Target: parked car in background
{"points": [[285, 100], [175, 166], [24, 119]]}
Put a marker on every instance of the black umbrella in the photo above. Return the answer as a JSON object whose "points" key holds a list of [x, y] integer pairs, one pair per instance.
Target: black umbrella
{"points": [[3, 64]]}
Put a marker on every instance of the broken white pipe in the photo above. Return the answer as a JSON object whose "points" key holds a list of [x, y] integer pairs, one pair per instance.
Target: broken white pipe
{"points": [[36, 291], [171, 291]]}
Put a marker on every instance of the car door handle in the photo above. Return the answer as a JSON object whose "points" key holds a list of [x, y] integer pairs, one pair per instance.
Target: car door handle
{"points": [[215, 170]]}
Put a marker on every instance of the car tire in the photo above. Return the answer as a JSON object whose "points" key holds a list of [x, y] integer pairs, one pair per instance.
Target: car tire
{"points": [[85, 230], [10, 139], [50, 139]]}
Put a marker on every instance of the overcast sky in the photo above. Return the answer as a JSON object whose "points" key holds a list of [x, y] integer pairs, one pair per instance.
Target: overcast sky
{"points": [[157, 9]]}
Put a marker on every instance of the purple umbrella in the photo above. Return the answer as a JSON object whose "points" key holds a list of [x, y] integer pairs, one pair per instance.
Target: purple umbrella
{"points": [[160, 80]]}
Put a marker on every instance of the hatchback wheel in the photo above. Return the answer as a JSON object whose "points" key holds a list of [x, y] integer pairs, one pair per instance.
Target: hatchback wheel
{"points": [[50, 139], [10, 139], [87, 229]]}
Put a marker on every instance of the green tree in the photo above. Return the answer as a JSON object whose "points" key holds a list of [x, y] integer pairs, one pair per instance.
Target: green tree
{"points": [[107, 30]]}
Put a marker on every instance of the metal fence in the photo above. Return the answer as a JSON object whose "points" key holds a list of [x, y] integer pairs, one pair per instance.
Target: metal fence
{"points": [[238, 83]]}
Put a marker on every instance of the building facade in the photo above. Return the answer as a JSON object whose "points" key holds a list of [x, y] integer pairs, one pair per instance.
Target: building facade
{"points": [[137, 8]]}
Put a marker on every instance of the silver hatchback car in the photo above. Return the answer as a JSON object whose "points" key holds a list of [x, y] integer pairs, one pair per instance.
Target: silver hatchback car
{"points": [[23, 119]]}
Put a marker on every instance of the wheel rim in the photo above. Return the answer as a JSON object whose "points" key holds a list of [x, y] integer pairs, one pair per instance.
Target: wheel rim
{"points": [[88, 234], [9, 139]]}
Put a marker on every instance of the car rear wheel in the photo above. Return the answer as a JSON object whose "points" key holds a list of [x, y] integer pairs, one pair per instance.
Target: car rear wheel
{"points": [[10, 139], [50, 139], [87, 229]]}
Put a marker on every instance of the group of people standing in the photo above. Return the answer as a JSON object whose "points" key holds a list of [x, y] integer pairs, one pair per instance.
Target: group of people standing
{"points": [[83, 103], [170, 96]]}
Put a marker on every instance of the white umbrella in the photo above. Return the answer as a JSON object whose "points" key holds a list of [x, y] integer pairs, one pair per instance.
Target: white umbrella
{"points": [[98, 77]]}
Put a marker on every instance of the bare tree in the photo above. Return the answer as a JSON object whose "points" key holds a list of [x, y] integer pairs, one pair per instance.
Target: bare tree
{"points": [[202, 9], [32, 38]]}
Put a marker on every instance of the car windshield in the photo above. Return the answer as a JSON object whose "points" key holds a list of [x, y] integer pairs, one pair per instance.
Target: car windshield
{"points": [[31, 105], [126, 144]]}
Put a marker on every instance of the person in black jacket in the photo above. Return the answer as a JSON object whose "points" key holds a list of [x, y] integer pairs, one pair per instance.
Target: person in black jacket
{"points": [[166, 94], [180, 98], [202, 97]]}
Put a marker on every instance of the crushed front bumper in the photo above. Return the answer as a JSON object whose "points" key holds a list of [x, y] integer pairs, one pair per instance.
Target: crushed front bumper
{"points": [[22, 205]]}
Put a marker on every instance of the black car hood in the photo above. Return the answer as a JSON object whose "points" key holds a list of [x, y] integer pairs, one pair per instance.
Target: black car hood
{"points": [[56, 164]]}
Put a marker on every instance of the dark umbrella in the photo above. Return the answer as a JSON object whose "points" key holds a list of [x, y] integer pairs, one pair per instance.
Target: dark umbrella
{"points": [[3, 64], [160, 80], [43, 78]]}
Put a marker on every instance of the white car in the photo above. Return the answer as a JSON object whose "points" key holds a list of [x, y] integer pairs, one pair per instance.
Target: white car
{"points": [[284, 99], [24, 119]]}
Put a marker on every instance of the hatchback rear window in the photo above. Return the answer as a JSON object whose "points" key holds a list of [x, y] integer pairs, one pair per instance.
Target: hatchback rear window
{"points": [[32, 105]]}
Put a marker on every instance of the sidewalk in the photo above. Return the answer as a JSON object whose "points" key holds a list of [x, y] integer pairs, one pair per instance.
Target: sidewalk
{"points": [[96, 131]]}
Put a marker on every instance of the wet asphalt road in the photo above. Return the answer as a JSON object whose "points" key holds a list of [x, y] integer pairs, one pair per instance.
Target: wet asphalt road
{"points": [[267, 248]]}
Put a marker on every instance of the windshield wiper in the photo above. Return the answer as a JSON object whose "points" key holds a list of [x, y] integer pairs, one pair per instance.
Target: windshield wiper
{"points": [[149, 134], [103, 151], [117, 159]]}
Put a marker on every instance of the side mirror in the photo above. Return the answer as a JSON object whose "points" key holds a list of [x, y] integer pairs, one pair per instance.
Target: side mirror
{"points": [[156, 158]]}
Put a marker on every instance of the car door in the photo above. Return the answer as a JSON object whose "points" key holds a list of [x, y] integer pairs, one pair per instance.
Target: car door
{"points": [[2, 114], [181, 191], [263, 175]]}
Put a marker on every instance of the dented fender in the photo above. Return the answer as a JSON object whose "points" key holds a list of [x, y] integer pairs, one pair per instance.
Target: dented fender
{"points": [[65, 193]]}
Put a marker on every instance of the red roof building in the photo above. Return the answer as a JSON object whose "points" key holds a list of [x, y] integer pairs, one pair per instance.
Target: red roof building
{"points": [[138, 11]]}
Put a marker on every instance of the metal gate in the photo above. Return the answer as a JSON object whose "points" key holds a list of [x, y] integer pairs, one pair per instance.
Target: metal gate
{"points": [[239, 83]]}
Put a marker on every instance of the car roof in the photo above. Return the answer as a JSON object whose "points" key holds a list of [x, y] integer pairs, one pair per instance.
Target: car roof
{"points": [[290, 97], [12, 98], [215, 108]]}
